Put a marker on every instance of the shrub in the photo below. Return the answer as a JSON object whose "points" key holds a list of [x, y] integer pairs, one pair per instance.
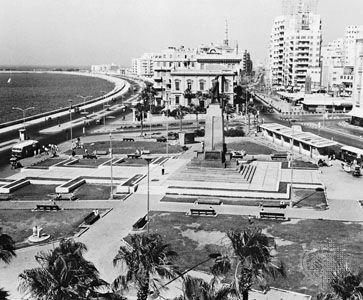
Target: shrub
{"points": [[234, 132]]}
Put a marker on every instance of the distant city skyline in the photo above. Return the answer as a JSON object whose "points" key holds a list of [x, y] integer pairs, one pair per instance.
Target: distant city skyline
{"points": [[76, 32]]}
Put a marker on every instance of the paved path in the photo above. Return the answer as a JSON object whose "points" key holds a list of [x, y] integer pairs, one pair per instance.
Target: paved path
{"points": [[104, 237]]}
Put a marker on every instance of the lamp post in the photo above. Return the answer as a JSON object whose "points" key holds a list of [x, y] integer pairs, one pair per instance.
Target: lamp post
{"points": [[23, 110], [292, 165], [148, 159], [84, 100], [111, 154], [167, 124], [70, 116]]}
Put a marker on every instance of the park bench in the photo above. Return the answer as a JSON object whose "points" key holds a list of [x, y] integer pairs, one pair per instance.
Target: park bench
{"points": [[272, 215], [279, 156], [277, 205], [128, 140], [91, 218], [65, 196], [134, 155], [140, 223], [47, 207], [209, 201], [202, 212], [90, 156]]}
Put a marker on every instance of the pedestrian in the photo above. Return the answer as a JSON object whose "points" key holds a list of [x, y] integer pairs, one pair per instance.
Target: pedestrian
{"points": [[162, 170]]}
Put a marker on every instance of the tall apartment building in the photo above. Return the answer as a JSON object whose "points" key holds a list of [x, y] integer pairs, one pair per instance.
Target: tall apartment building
{"points": [[295, 48], [144, 65], [357, 112], [351, 34], [247, 64]]}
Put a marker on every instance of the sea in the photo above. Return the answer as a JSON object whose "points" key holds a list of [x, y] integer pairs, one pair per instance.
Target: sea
{"points": [[45, 92]]}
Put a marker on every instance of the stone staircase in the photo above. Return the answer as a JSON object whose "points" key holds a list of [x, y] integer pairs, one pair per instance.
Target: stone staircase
{"points": [[248, 171]]}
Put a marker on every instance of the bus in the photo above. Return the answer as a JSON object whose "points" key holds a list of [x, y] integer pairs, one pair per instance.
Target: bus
{"points": [[25, 149], [349, 153]]}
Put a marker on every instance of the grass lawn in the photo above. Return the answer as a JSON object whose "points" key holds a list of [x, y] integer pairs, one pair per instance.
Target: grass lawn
{"points": [[35, 192], [19, 223], [93, 191], [90, 162], [250, 148], [195, 237], [309, 198], [125, 147], [49, 162], [132, 162]]}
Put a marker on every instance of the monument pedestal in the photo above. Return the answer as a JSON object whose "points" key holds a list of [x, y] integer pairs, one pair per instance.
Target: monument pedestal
{"points": [[213, 155]]}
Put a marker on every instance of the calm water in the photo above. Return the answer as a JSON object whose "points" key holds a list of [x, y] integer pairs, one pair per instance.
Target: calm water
{"points": [[45, 92]]}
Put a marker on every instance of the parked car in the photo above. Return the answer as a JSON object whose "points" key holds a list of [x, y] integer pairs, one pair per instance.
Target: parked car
{"points": [[161, 139]]}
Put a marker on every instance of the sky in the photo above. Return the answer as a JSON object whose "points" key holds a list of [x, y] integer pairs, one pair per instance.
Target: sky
{"points": [[85, 32]]}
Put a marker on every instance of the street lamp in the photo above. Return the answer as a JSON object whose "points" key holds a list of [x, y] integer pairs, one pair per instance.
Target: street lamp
{"points": [[84, 100], [292, 164], [23, 110], [70, 116], [111, 191], [148, 159], [167, 124]]}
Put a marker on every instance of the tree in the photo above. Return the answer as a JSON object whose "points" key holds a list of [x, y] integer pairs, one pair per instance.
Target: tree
{"points": [[147, 96], [198, 289], [346, 285], [63, 274], [144, 263], [254, 260], [7, 253], [189, 95], [7, 247], [179, 114]]}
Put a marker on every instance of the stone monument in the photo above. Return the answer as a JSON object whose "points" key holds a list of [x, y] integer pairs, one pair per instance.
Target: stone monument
{"points": [[214, 148]]}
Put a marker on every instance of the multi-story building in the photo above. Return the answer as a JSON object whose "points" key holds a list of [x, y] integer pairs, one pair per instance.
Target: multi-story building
{"points": [[357, 112], [144, 65], [105, 68], [351, 34], [177, 70], [295, 48]]}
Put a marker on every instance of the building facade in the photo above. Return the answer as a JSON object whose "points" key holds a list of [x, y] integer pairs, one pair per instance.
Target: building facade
{"points": [[182, 76], [357, 112], [144, 65], [295, 49]]}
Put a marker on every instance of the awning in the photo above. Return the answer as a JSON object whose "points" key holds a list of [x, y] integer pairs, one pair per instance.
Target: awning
{"points": [[356, 112]]}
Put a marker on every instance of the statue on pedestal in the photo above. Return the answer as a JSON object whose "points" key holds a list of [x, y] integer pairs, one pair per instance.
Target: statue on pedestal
{"points": [[215, 91]]}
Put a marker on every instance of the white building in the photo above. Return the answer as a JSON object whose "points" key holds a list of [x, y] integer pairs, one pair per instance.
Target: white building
{"points": [[179, 69], [351, 34], [295, 48], [144, 65], [357, 112], [106, 68]]}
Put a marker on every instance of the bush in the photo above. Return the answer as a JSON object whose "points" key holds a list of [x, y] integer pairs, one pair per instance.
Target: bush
{"points": [[234, 132], [199, 132]]}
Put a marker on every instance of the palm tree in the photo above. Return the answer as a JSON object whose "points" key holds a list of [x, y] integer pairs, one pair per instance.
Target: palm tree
{"points": [[7, 247], [63, 274], [198, 289], [179, 114], [7, 253], [254, 260], [147, 96], [145, 262], [346, 285], [189, 95]]}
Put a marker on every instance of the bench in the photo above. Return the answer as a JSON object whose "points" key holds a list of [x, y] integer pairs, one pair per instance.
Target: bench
{"points": [[202, 212], [272, 215], [90, 156], [65, 196], [91, 218], [128, 140], [47, 207], [279, 156], [133, 155], [140, 223], [209, 201], [277, 205]]}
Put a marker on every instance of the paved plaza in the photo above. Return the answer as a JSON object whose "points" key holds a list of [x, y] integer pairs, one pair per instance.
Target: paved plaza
{"points": [[104, 237]]}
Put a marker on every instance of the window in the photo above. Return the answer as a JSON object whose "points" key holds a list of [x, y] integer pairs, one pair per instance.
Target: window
{"points": [[201, 85], [189, 84], [177, 100], [177, 85]]}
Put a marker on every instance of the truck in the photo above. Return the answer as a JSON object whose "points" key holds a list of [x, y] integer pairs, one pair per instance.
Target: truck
{"points": [[25, 149]]}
